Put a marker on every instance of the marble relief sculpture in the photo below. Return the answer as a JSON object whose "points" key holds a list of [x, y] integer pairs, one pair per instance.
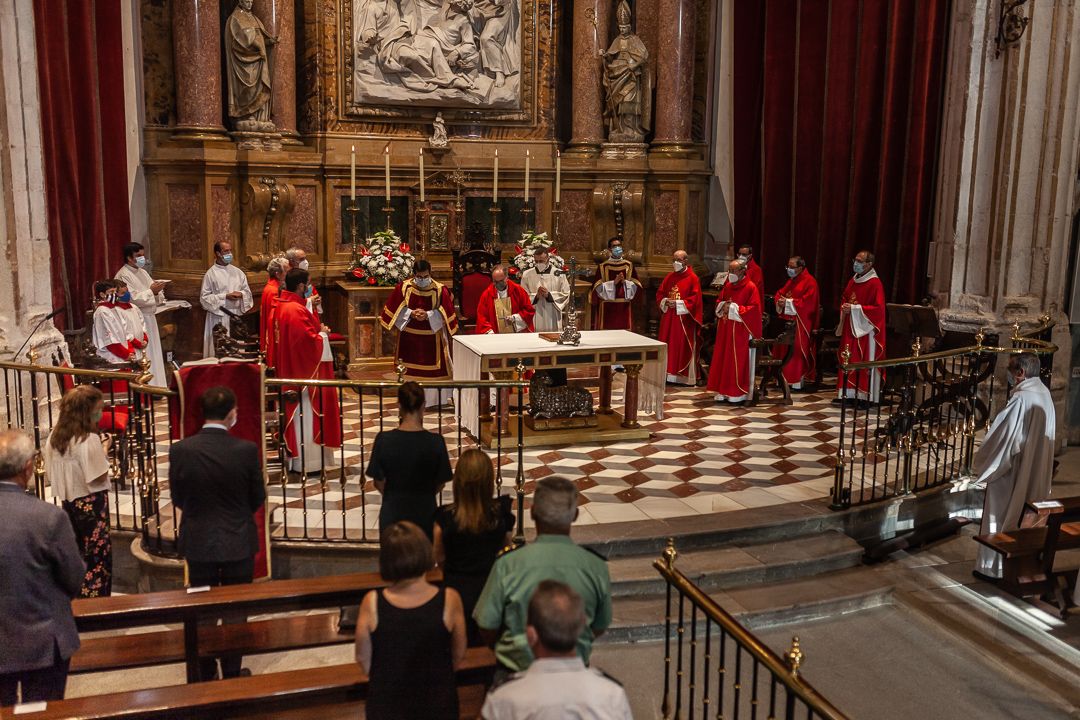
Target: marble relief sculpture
{"points": [[247, 59], [439, 137], [437, 52], [627, 84]]}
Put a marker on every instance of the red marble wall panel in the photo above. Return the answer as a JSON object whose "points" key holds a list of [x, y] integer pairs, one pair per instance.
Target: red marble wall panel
{"points": [[575, 226], [185, 222], [221, 214], [666, 222], [302, 225]]}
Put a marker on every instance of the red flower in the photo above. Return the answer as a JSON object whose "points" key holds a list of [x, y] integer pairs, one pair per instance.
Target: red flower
{"points": [[518, 250], [554, 251], [566, 268], [364, 252], [388, 255], [358, 273], [513, 270], [404, 247], [371, 281]]}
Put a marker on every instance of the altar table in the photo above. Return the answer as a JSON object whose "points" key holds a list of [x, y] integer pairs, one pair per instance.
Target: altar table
{"points": [[645, 360]]}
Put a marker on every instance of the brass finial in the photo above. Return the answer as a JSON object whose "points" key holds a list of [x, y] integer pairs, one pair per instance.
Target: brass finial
{"points": [[1016, 330], [845, 356], [32, 355], [1044, 319], [144, 369], [670, 553], [400, 371], [794, 656], [979, 337], [916, 347], [520, 369]]}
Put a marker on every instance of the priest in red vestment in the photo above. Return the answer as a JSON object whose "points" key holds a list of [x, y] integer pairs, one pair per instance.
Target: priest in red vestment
{"points": [[276, 270], [738, 321], [504, 307], [799, 301], [303, 353], [753, 270], [862, 328], [297, 257], [680, 299], [422, 311], [615, 284]]}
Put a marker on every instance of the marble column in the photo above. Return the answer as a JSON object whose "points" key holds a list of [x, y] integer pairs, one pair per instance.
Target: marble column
{"points": [[197, 66], [1007, 169], [25, 283], [673, 112], [279, 19], [591, 26]]}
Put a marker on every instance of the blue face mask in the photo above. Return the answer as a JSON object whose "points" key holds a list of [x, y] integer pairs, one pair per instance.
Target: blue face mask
{"points": [[859, 267], [616, 252], [226, 258], [140, 261], [792, 272], [307, 291], [125, 298]]}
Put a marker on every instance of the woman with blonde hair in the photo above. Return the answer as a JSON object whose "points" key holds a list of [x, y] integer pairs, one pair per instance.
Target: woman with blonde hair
{"points": [[77, 467], [470, 533]]}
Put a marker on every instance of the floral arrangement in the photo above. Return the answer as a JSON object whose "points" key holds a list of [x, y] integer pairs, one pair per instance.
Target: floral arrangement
{"points": [[384, 260], [524, 258]]}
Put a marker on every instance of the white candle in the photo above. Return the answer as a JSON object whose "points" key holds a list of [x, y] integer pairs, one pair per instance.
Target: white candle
{"points": [[527, 159], [558, 176], [495, 182], [421, 174], [352, 173], [386, 163]]}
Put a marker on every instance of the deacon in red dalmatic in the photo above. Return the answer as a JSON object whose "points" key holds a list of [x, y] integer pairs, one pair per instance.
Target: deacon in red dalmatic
{"points": [[738, 321]]}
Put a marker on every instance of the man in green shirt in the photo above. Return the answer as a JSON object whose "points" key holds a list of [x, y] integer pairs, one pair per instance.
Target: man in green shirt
{"points": [[504, 602]]}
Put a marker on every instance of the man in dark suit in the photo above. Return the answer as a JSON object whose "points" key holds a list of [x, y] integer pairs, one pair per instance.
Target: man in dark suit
{"points": [[42, 570], [216, 481]]}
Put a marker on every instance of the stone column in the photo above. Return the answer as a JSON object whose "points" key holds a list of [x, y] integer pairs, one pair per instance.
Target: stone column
{"points": [[279, 18], [591, 22], [1007, 171], [25, 283], [197, 66], [673, 112]]}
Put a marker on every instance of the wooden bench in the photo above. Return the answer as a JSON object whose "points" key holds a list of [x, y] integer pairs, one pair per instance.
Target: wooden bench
{"points": [[192, 640], [334, 691], [1028, 556]]}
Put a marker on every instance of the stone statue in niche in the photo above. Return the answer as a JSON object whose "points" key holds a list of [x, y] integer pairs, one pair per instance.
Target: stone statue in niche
{"points": [[247, 63], [627, 84], [439, 138], [437, 52]]}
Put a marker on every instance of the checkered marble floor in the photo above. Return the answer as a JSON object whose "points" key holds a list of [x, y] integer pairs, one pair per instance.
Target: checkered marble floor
{"points": [[702, 458]]}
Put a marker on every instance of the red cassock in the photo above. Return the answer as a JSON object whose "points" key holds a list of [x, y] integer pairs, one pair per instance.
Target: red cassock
{"points": [[680, 332], [756, 276], [614, 314], [803, 292], [866, 319], [266, 319], [299, 355], [424, 352], [732, 371], [519, 303]]}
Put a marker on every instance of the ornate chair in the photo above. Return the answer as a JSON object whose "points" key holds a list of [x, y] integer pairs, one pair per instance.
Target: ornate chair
{"points": [[472, 275], [768, 367]]}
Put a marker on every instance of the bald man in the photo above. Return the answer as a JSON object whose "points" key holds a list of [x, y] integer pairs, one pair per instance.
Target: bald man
{"points": [[679, 298]]}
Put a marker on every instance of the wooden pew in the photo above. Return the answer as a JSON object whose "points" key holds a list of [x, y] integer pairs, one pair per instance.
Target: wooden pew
{"points": [[1028, 556], [334, 691]]}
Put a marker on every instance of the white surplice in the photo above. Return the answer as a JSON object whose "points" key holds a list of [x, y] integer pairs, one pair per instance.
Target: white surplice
{"points": [[549, 311], [1015, 461], [138, 282], [219, 281], [109, 329]]}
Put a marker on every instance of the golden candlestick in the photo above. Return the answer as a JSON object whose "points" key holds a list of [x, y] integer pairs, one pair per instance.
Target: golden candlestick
{"points": [[494, 210], [389, 210]]}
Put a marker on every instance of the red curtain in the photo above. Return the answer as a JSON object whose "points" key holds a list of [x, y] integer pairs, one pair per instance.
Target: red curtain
{"points": [[837, 114], [80, 70]]}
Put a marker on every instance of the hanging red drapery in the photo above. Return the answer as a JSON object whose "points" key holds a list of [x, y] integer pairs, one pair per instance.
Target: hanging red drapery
{"points": [[80, 70], [837, 114]]}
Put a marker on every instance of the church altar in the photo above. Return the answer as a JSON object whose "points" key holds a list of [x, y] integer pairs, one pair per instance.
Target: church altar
{"points": [[645, 361], [371, 346]]}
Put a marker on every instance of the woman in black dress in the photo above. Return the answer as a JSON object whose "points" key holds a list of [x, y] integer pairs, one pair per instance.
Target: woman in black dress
{"points": [[409, 465], [410, 636], [470, 533]]}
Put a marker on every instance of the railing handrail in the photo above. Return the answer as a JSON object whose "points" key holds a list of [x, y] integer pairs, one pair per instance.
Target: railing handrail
{"points": [[129, 375], [783, 672], [1041, 347]]}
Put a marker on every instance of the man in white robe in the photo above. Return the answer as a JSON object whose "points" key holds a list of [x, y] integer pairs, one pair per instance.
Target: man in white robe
{"points": [[549, 291], [146, 294], [224, 288], [1016, 458]]}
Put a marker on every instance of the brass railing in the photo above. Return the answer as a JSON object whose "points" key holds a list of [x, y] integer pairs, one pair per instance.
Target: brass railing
{"points": [[327, 505], [719, 669], [910, 423]]}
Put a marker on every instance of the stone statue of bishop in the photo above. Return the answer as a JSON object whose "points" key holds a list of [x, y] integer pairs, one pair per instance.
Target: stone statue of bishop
{"points": [[247, 61]]}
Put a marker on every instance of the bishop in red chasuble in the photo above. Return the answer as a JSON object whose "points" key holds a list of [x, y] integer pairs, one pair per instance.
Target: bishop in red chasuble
{"points": [[422, 310], [738, 321], [799, 301], [615, 284], [303, 353], [679, 298], [862, 329], [504, 307]]}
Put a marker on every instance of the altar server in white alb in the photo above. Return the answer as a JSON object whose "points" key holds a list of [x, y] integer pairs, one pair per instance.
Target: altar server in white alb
{"points": [[549, 291], [1017, 457], [146, 294], [224, 288]]}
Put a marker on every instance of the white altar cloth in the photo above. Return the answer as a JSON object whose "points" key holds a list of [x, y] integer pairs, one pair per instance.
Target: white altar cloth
{"points": [[598, 347]]}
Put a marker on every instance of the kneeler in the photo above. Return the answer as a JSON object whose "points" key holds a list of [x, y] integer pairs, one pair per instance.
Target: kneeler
{"points": [[246, 380]]}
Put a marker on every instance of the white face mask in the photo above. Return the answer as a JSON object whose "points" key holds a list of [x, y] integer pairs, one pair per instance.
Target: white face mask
{"points": [[679, 266], [422, 282], [744, 259], [140, 261], [792, 272], [303, 264], [542, 267], [732, 277]]}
